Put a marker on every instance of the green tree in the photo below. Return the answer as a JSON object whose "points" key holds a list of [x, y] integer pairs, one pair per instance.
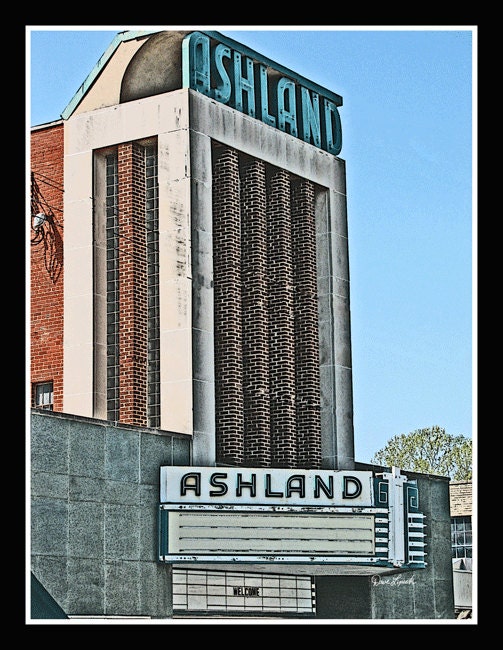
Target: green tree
{"points": [[429, 451]]}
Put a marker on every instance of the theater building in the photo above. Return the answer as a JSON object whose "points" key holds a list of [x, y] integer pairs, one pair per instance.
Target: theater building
{"points": [[192, 443]]}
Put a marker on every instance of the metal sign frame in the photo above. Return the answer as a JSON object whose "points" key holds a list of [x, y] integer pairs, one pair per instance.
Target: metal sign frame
{"points": [[220, 517]]}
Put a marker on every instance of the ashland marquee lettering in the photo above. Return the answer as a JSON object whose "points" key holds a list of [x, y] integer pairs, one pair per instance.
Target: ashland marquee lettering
{"points": [[294, 485], [252, 87]]}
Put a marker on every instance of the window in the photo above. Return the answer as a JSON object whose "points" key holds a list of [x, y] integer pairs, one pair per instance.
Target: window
{"points": [[152, 229], [43, 396], [113, 311], [461, 537]]}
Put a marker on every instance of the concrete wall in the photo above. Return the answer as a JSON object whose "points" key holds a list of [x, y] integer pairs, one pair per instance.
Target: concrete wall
{"points": [[95, 493], [167, 119], [427, 593], [343, 597]]}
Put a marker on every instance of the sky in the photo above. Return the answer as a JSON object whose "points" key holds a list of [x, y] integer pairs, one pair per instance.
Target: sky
{"points": [[409, 119]]}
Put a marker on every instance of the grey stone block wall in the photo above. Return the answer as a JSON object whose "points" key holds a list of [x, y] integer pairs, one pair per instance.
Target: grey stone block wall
{"points": [[95, 496]]}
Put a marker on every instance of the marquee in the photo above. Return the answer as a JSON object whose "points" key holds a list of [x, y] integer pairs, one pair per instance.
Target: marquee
{"points": [[251, 515]]}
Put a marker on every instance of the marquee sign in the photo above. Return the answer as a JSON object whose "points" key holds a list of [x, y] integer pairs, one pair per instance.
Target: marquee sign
{"points": [[210, 514], [239, 486], [232, 74]]}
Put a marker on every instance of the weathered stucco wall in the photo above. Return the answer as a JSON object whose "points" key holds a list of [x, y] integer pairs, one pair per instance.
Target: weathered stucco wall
{"points": [[426, 593]]}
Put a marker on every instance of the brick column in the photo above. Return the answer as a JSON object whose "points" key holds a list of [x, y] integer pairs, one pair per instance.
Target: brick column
{"points": [[281, 322], [255, 318], [306, 325], [132, 285], [229, 401]]}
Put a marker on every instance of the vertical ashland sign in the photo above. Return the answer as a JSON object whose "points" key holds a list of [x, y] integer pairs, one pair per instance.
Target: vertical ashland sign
{"points": [[232, 74]]}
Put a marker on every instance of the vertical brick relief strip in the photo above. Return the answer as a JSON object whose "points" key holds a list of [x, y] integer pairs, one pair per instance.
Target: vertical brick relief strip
{"points": [[229, 400], [281, 322], [255, 314], [132, 285], [307, 375], [267, 375]]}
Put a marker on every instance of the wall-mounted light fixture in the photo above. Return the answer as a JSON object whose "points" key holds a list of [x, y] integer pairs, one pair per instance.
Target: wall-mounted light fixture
{"points": [[38, 220]]}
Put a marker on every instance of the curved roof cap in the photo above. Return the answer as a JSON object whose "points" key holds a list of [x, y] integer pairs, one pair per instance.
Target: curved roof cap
{"points": [[140, 64]]}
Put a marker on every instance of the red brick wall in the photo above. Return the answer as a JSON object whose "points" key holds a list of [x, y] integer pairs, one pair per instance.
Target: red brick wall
{"points": [[132, 285], [266, 326], [46, 252]]}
